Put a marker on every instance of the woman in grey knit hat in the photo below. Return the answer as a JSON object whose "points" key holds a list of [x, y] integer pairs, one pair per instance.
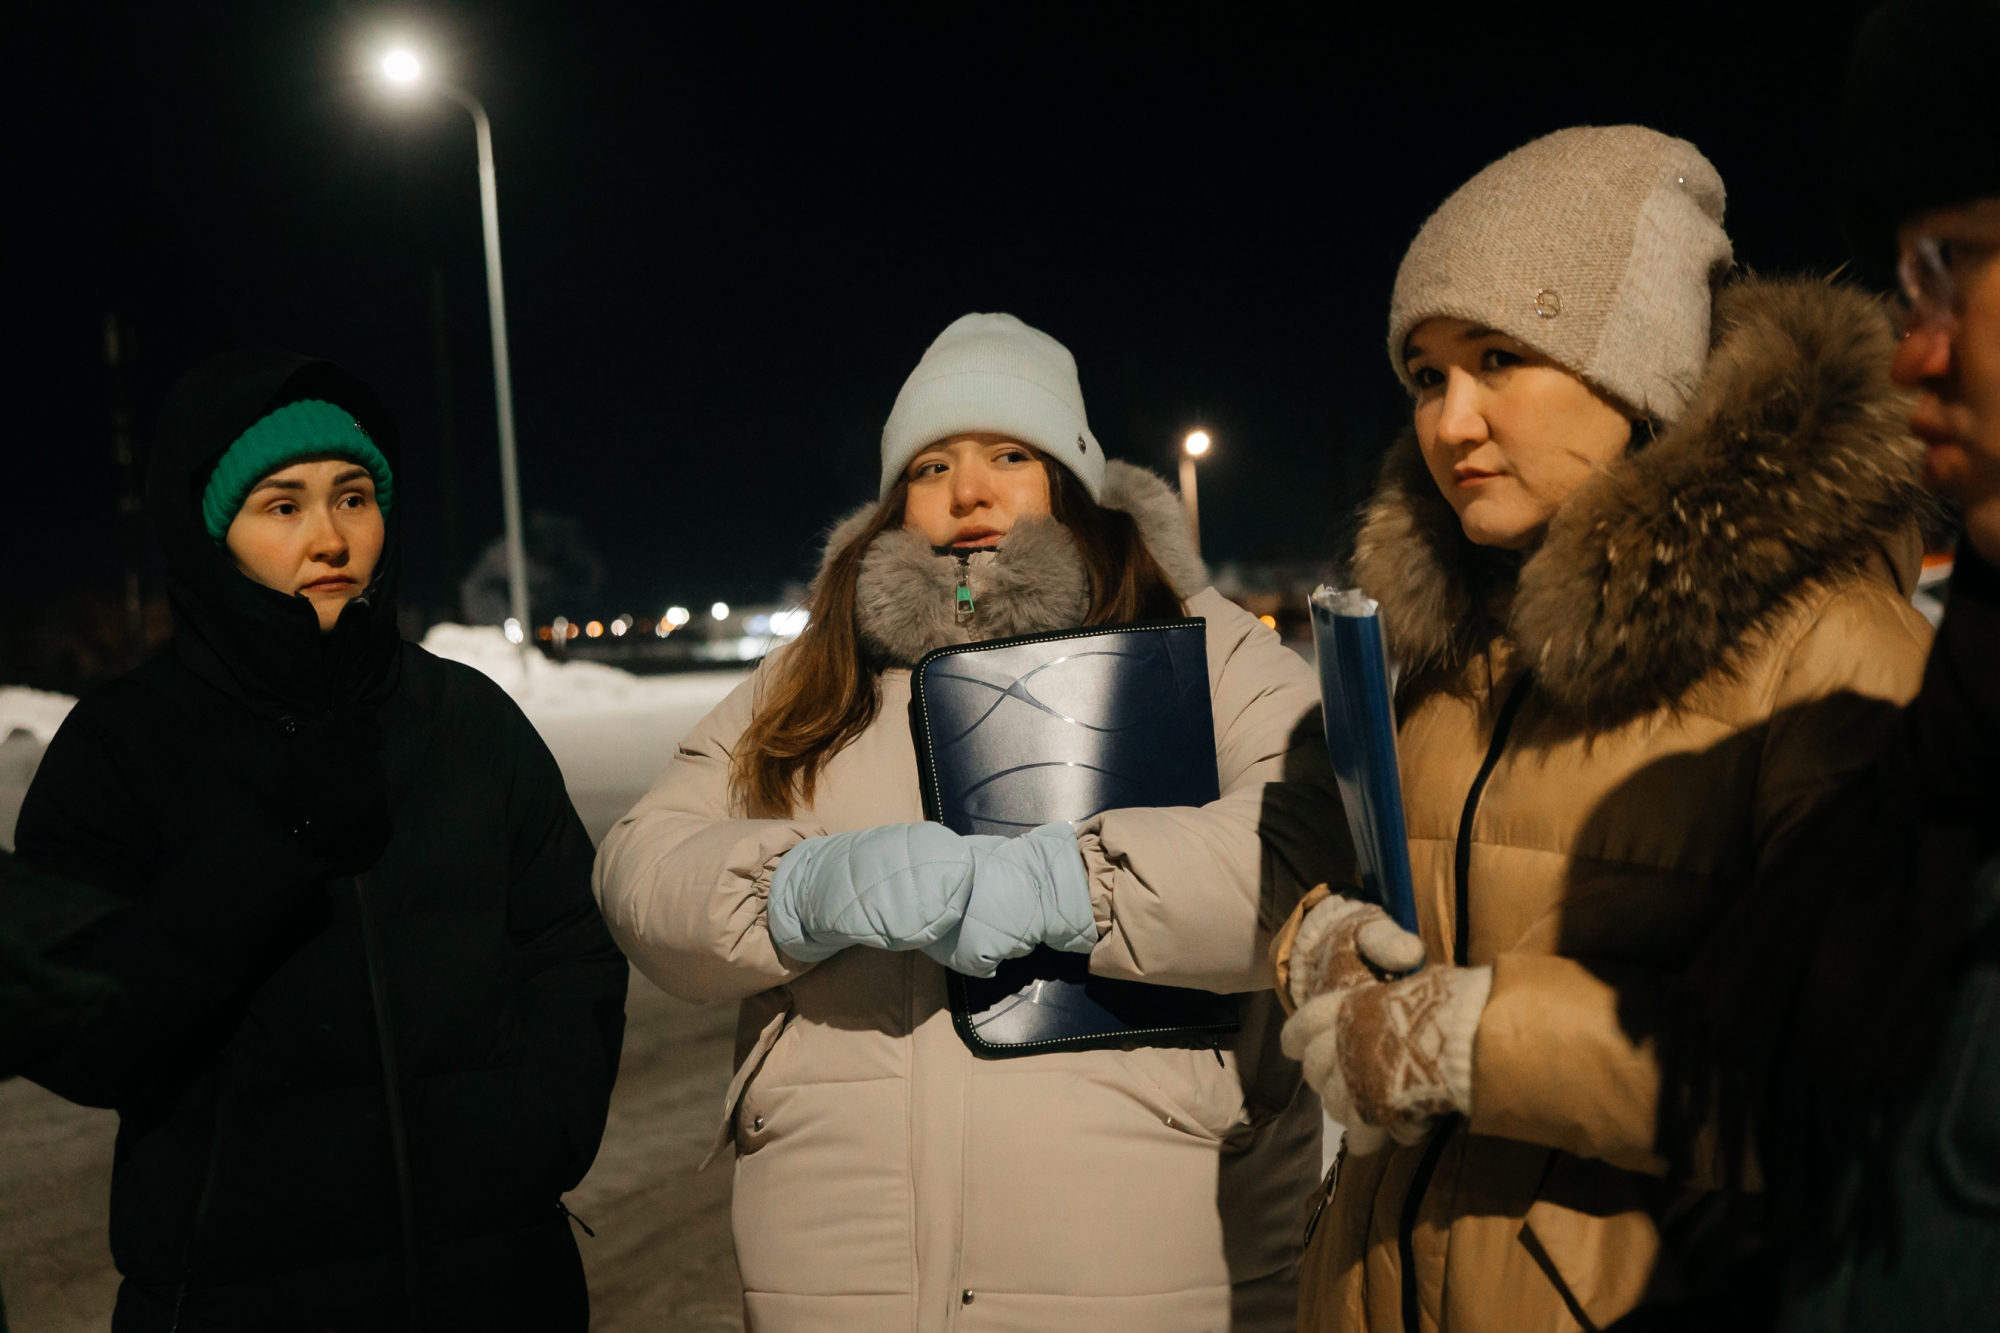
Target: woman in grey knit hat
{"points": [[1645, 559]]}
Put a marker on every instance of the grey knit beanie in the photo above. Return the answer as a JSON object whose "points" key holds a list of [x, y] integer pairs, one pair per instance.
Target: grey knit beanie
{"points": [[994, 373], [1597, 246]]}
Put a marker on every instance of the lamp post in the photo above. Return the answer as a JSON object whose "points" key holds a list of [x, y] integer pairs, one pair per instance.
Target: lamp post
{"points": [[403, 69], [1194, 446]]}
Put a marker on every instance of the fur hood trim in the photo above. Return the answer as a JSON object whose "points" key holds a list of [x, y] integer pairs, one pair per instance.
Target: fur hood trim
{"points": [[1793, 463], [1031, 583]]}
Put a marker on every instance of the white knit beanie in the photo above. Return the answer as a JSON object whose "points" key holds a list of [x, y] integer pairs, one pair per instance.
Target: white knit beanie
{"points": [[993, 373], [1597, 246]]}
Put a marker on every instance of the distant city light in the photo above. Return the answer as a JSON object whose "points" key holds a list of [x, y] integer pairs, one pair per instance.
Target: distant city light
{"points": [[561, 630], [789, 624], [1197, 443], [664, 628], [400, 66], [620, 625], [677, 616], [595, 629], [720, 611], [513, 630], [545, 633]]}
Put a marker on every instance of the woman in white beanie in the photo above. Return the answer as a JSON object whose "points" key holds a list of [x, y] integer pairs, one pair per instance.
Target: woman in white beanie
{"points": [[1645, 561], [885, 1177]]}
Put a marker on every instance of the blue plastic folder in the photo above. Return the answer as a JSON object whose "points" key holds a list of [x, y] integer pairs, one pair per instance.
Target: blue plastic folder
{"points": [[1014, 733], [1356, 687]]}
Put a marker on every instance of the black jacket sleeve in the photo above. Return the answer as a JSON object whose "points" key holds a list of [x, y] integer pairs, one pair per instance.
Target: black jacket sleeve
{"points": [[1947, 752], [572, 978], [195, 932]]}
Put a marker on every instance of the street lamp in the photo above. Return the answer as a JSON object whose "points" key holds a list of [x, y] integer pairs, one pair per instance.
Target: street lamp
{"points": [[403, 70], [1194, 446]]}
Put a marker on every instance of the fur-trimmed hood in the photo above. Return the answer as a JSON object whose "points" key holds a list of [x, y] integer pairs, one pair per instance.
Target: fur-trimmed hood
{"points": [[1792, 463], [1032, 582]]}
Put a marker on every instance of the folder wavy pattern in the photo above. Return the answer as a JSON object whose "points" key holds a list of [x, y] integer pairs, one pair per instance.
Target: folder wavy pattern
{"points": [[1015, 733]]}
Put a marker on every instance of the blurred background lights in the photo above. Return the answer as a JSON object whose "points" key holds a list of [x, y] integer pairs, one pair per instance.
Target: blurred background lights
{"points": [[677, 616], [401, 66], [789, 624], [1197, 443], [513, 629], [720, 611]]}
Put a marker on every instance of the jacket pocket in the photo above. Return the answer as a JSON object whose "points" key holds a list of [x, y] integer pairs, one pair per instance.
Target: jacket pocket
{"points": [[1195, 1091], [1591, 1231], [725, 1133]]}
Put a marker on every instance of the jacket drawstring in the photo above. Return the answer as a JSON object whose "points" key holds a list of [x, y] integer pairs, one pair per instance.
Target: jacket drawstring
{"points": [[563, 1208], [399, 1139]]}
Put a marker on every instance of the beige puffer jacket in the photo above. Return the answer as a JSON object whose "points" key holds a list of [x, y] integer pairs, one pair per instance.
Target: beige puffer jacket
{"points": [[1709, 641], [887, 1179]]}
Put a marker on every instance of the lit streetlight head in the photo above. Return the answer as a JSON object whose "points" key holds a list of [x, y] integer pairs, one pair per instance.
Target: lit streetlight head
{"points": [[1197, 443], [401, 67]]}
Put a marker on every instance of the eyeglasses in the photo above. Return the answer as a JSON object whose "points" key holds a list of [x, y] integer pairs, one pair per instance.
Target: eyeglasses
{"points": [[1930, 273]]}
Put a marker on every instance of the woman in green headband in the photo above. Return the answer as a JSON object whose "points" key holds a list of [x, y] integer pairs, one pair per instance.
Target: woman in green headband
{"points": [[298, 501], [368, 1016]]}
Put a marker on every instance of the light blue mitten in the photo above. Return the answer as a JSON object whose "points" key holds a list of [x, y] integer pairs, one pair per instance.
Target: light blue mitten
{"points": [[901, 886], [1028, 890]]}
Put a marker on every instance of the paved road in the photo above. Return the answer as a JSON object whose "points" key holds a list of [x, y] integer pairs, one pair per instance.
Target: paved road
{"points": [[661, 1260]]}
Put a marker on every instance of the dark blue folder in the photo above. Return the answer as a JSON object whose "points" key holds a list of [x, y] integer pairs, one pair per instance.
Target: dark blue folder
{"points": [[1015, 733]]}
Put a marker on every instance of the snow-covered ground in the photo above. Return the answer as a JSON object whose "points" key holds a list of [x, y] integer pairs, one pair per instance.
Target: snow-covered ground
{"points": [[28, 719], [612, 732]]}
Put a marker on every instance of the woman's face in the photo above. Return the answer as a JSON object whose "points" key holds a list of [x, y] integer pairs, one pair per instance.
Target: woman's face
{"points": [[1508, 434], [970, 490], [311, 530]]}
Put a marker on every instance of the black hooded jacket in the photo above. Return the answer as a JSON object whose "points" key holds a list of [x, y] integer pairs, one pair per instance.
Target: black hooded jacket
{"points": [[314, 831]]}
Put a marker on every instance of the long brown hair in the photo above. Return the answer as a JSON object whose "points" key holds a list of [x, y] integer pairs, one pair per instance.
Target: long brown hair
{"points": [[824, 694]]}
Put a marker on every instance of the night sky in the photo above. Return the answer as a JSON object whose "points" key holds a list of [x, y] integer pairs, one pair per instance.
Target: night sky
{"points": [[730, 230]]}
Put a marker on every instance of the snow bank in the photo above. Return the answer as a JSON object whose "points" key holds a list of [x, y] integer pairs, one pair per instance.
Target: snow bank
{"points": [[611, 731], [28, 721], [36, 712], [549, 689]]}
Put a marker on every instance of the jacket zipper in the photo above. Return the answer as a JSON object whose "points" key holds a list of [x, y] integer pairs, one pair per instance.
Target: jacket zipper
{"points": [[1420, 1183], [392, 1089], [1413, 1202], [1462, 867], [201, 1200], [962, 604]]}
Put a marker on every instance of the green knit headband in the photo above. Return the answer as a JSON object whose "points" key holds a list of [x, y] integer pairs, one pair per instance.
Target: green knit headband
{"points": [[296, 430]]}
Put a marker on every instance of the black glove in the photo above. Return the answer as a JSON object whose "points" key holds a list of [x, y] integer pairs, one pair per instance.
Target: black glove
{"points": [[332, 794]]}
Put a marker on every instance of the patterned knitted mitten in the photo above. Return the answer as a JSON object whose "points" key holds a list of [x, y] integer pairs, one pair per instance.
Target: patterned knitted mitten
{"points": [[1343, 942], [1388, 1058]]}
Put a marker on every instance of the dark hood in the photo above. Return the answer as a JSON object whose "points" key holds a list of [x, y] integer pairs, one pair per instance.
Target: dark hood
{"points": [[257, 645]]}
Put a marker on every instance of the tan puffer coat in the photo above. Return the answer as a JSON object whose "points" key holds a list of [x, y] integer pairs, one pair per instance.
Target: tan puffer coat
{"points": [[885, 1178], [1599, 746]]}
